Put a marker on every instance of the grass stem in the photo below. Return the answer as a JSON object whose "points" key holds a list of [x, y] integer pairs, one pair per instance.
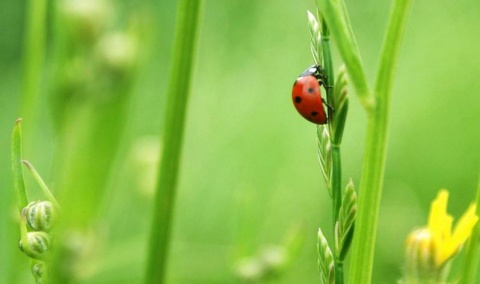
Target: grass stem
{"points": [[339, 24], [34, 55], [188, 13], [375, 149], [42, 184]]}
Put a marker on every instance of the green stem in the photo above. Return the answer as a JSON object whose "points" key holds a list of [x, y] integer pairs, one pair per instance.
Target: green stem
{"points": [[328, 66], [34, 53], [24, 233], [339, 272], [17, 165], [188, 13], [336, 165], [334, 14], [471, 255], [336, 181], [375, 149], [42, 184], [337, 203]]}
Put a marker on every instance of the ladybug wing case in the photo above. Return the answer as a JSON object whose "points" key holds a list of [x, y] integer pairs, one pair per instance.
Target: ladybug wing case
{"points": [[307, 99]]}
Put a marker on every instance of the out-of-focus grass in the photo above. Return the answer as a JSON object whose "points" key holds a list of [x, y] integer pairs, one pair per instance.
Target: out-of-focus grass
{"points": [[249, 167]]}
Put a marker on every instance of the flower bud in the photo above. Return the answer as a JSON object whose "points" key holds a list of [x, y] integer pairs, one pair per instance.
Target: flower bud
{"points": [[420, 259], [40, 215], [117, 52], [85, 19], [250, 269], [38, 271], [274, 258], [38, 245]]}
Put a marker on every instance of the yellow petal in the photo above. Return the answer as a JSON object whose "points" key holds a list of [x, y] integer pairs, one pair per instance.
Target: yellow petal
{"points": [[438, 212], [440, 222], [464, 227]]}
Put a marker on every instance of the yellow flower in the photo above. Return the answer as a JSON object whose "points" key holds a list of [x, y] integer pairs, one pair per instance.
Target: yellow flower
{"points": [[446, 242]]}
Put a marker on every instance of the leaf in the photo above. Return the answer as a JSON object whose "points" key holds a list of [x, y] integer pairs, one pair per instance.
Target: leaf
{"points": [[345, 225], [17, 169]]}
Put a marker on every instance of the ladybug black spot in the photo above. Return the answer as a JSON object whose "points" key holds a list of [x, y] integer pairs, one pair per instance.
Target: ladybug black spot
{"points": [[310, 90], [314, 113], [298, 99]]}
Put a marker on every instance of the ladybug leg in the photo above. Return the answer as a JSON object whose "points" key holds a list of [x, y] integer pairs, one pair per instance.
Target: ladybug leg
{"points": [[328, 106], [322, 79], [327, 86]]}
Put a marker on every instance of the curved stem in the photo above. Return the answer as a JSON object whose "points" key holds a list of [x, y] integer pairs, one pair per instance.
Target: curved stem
{"points": [[375, 149], [42, 184], [339, 24]]}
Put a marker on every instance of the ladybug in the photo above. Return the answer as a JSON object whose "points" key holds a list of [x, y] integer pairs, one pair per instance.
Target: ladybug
{"points": [[306, 95]]}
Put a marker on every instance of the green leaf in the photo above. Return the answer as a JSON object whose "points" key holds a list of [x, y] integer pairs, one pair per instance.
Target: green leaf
{"points": [[346, 222], [17, 169]]}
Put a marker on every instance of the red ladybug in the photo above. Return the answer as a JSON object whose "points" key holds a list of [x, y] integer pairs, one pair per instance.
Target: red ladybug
{"points": [[306, 95]]}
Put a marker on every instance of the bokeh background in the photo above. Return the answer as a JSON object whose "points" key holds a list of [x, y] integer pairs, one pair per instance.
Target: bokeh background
{"points": [[249, 177]]}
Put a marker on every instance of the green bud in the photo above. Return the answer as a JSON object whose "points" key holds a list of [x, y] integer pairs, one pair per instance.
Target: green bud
{"points": [[250, 269], [315, 39], [325, 260], [420, 260], [340, 105], [38, 245], [38, 271], [325, 155], [117, 52], [40, 215], [85, 19], [345, 225], [274, 258]]}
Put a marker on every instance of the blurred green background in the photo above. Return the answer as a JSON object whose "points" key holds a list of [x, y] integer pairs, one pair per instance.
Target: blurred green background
{"points": [[249, 174]]}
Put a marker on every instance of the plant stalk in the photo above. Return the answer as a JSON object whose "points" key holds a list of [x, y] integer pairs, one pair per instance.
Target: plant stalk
{"points": [[339, 24], [34, 55], [42, 184], [336, 181], [336, 204], [188, 14], [375, 149]]}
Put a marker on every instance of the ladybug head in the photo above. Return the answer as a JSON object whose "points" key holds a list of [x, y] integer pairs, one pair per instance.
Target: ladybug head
{"points": [[315, 71]]}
